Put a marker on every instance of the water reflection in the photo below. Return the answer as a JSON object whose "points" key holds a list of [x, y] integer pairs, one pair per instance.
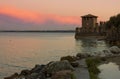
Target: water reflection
{"points": [[109, 71], [89, 42], [90, 45]]}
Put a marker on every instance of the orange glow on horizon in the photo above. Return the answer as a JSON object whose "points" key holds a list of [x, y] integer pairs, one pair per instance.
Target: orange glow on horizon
{"points": [[38, 17], [24, 15]]}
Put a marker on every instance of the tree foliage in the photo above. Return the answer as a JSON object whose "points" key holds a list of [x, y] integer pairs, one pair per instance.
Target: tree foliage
{"points": [[114, 21]]}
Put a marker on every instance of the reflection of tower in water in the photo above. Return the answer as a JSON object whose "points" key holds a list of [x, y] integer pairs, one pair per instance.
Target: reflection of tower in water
{"points": [[88, 42], [86, 45], [89, 45]]}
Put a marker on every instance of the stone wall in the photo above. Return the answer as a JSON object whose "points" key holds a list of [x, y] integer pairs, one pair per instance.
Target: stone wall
{"points": [[95, 31]]}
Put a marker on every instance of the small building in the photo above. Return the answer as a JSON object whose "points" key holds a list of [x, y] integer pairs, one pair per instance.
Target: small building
{"points": [[89, 21], [90, 26]]}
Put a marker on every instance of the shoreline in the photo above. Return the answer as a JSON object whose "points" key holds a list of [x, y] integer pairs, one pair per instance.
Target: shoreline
{"points": [[96, 37], [115, 59], [67, 66]]}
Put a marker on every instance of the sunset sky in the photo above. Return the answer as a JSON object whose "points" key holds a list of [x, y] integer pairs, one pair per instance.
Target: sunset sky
{"points": [[52, 14]]}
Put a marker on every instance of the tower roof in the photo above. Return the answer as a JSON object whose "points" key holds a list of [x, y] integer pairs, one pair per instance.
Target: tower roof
{"points": [[89, 16]]}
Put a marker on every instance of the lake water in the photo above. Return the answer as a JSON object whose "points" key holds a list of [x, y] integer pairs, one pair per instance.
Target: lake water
{"points": [[20, 51], [109, 71]]}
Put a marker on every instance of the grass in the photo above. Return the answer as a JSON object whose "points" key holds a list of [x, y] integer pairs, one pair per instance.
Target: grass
{"points": [[92, 64], [73, 76]]}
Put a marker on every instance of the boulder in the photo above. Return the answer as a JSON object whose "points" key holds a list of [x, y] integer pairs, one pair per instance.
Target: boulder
{"points": [[107, 52], [25, 72], [65, 74], [115, 49], [82, 55], [103, 59], [41, 76], [37, 68], [93, 54], [101, 54], [98, 54], [36, 76], [14, 76], [75, 64], [32, 76], [69, 58], [58, 66], [21, 77]]}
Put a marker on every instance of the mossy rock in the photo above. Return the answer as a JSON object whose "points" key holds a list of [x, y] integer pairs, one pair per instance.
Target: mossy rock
{"points": [[92, 64], [69, 58]]}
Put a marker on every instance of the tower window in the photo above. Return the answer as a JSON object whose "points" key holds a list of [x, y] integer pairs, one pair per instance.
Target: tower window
{"points": [[87, 18]]}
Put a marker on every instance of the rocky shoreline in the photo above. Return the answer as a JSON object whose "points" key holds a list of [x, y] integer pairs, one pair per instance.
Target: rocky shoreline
{"points": [[64, 68]]}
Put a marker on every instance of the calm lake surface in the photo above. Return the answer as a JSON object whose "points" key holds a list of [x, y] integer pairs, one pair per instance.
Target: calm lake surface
{"points": [[109, 71], [20, 51]]}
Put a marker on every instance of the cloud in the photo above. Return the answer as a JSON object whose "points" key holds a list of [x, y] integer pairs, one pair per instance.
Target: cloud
{"points": [[13, 18]]}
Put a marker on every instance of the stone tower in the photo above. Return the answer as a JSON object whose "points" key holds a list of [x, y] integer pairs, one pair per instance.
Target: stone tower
{"points": [[89, 21], [90, 27]]}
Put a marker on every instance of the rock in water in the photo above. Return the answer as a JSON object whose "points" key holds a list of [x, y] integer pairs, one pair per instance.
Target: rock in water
{"points": [[37, 68], [69, 58], [82, 55], [115, 49], [14, 76], [36, 76], [75, 64], [65, 74], [58, 66], [25, 72], [107, 53]]}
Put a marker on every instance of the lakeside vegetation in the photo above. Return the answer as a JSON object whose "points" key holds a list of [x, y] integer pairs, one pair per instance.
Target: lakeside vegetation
{"points": [[114, 21], [92, 64], [113, 30]]}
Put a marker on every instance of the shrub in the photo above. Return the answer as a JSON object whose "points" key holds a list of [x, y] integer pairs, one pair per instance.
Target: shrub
{"points": [[92, 64]]}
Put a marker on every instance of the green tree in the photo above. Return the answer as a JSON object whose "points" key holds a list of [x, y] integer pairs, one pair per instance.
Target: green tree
{"points": [[114, 25], [113, 21]]}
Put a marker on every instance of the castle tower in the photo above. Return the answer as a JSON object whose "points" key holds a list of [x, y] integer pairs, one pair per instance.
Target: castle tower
{"points": [[89, 21], [90, 27]]}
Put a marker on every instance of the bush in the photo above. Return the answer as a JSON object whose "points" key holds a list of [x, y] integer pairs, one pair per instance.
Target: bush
{"points": [[92, 64], [114, 21]]}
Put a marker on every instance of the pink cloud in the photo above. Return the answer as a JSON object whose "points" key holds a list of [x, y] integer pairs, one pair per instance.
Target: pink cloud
{"points": [[29, 16], [21, 14]]}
